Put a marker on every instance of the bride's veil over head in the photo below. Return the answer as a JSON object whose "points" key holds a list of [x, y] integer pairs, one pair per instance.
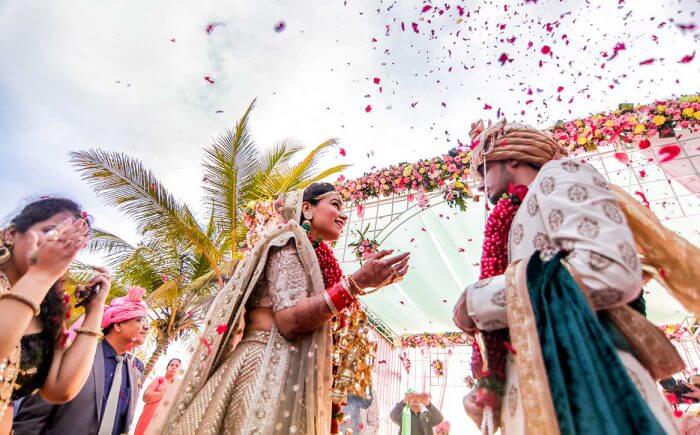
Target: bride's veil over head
{"points": [[301, 396]]}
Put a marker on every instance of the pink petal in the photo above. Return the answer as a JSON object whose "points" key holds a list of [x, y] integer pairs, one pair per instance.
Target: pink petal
{"points": [[415, 27], [425, 9], [647, 61], [368, 108], [622, 157], [644, 144], [560, 88], [546, 49], [209, 79], [376, 80], [687, 58], [487, 107], [342, 152]]}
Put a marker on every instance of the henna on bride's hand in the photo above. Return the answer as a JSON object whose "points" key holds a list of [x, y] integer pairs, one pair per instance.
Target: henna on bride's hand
{"points": [[310, 315]]}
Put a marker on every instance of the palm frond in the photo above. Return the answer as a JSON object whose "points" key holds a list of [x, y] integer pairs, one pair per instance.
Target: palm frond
{"points": [[113, 247], [124, 182], [230, 163]]}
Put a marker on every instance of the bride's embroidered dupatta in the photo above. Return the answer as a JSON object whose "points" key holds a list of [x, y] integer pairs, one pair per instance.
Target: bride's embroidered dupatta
{"points": [[293, 383]]}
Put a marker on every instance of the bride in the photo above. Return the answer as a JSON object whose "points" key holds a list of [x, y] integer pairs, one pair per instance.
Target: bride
{"points": [[278, 378]]}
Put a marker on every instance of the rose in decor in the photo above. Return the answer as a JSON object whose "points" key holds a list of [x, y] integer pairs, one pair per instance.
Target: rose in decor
{"points": [[441, 340], [364, 248], [438, 368]]}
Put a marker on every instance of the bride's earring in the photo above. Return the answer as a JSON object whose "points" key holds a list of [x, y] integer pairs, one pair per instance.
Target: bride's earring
{"points": [[306, 224]]}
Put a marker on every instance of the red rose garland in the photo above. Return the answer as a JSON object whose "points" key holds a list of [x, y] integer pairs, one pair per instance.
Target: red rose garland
{"points": [[332, 273], [494, 261]]}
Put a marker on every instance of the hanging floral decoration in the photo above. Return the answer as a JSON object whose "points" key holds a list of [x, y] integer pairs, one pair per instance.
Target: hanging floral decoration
{"points": [[256, 216], [440, 340], [448, 173], [364, 248], [675, 332], [438, 368], [405, 361], [630, 124]]}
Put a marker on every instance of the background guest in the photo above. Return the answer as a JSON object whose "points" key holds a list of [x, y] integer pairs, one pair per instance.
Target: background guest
{"points": [[36, 250], [154, 394], [353, 420], [415, 415], [115, 381]]}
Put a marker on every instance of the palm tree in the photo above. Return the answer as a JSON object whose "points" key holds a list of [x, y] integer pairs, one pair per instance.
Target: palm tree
{"points": [[174, 244]]}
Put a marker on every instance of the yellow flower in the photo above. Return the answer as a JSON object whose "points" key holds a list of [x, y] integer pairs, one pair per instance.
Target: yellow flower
{"points": [[609, 123], [639, 129], [407, 171], [632, 120], [661, 108], [659, 119], [382, 180], [688, 112], [422, 170], [579, 123], [696, 115], [251, 204], [582, 140]]}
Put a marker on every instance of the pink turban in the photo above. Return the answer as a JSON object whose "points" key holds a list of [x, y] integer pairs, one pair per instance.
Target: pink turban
{"points": [[125, 308]]}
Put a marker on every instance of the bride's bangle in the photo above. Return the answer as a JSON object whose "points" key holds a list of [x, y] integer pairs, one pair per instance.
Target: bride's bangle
{"points": [[358, 290], [339, 296]]}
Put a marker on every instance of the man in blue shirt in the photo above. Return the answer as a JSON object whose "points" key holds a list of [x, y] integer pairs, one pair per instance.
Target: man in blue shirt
{"points": [[106, 404]]}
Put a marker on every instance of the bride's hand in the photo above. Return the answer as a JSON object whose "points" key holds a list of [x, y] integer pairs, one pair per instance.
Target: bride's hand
{"points": [[381, 270]]}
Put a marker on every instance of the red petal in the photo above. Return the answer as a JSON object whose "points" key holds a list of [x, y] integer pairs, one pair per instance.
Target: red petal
{"points": [[425, 9], [487, 107], [647, 61], [670, 152], [209, 79], [644, 144], [221, 329], [376, 80], [342, 152], [415, 27], [546, 49], [560, 88], [368, 108]]}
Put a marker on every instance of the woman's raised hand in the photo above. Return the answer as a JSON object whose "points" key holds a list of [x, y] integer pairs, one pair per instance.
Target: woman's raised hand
{"points": [[60, 247], [381, 270]]}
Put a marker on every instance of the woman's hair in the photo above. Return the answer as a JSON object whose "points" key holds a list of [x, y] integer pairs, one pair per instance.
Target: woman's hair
{"points": [[53, 307], [174, 359]]}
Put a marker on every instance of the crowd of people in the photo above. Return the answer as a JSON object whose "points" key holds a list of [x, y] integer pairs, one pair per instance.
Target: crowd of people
{"points": [[569, 256]]}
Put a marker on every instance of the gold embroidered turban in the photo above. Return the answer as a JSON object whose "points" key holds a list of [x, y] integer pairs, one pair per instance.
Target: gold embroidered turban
{"points": [[503, 141]]}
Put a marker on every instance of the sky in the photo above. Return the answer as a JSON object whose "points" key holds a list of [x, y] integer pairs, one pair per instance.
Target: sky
{"points": [[129, 76]]}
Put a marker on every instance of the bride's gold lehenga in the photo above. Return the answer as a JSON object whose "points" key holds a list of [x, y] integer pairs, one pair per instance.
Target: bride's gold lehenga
{"points": [[267, 384]]}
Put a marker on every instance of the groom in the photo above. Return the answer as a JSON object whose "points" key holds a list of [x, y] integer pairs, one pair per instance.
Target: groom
{"points": [[569, 215]]}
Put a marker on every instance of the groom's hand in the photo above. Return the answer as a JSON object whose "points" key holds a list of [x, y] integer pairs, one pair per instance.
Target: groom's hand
{"points": [[460, 315]]}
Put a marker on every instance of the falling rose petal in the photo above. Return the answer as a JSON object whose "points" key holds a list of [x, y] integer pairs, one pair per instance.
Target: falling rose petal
{"points": [[644, 144], [642, 173], [560, 88], [376, 80], [342, 152], [669, 152], [643, 197], [425, 9], [487, 107], [415, 27], [687, 58], [206, 344], [546, 49], [164, 277], [209, 80], [461, 250], [412, 240], [280, 26], [210, 27], [368, 108], [503, 58], [647, 61], [172, 40], [622, 157], [221, 328]]}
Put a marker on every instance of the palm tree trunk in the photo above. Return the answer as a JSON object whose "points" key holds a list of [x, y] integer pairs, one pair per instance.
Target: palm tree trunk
{"points": [[161, 347]]}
